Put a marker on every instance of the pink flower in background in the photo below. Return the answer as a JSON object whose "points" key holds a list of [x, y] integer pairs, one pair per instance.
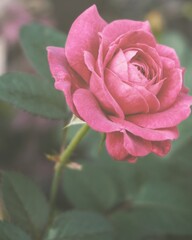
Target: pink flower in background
{"points": [[16, 17], [119, 80]]}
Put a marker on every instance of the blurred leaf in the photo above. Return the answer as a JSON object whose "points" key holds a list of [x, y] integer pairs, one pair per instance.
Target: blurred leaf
{"points": [[32, 94], [178, 145], [10, 232], [90, 188], [179, 165], [159, 209], [153, 193], [24, 202], [34, 40], [104, 183], [150, 223], [143, 199], [80, 225]]}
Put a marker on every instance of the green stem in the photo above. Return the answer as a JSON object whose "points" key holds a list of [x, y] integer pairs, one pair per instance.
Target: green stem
{"points": [[64, 157]]}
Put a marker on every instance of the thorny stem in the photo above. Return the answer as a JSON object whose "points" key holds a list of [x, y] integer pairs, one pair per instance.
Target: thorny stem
{"points": [[63, 160]]}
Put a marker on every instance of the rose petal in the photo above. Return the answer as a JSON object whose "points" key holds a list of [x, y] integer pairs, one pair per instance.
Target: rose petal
{"points": [[135, 77], [115, 145], [151, 99], [89, 61], [136, 146], [168, 52], [135, 37], [106, 100], [124, 146], [83, 36], [125, 41], [90, 111], [150, 58], [130, 54], [171, 88], [145, 133], [116, 28], [118, 65], [65, 79], [171, 117], [161, 148], [168, 63], [155, 88], [100, 60], [129, 98], [97, 86]]}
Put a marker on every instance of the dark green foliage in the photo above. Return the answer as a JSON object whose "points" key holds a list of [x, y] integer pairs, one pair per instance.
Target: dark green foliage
{"points": [[9, 231], [34, 40], [80, 225], [25, 204], [32, 94]]}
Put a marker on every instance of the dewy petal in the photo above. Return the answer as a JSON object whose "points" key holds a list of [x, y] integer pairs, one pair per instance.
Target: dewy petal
{"points": [[171, 88], [171, 117], [83, 36], [65, 79], [116, 28], [145, 133], [90, 111]]}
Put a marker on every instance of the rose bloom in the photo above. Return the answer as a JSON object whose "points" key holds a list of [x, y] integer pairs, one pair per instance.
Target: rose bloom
{"points": [[121, 82]]}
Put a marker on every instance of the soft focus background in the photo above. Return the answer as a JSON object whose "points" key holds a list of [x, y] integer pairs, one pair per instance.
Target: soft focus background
{"points": [[26, 140]]}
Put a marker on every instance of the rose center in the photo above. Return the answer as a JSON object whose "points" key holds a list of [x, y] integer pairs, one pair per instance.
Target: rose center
{"points": [[140, 69]]}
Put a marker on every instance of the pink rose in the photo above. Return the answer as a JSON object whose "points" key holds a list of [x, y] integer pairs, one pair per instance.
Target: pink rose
{"points": [[119, 80]]}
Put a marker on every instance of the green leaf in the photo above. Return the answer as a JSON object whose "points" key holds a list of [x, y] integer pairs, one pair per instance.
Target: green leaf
{"points": [[33, 95], [34, 40], [10, 232], [91, 188], [80, 225], [151, 223], [105, 183], [24, 202], [143, 199], [180, 166], [160, 209]]}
